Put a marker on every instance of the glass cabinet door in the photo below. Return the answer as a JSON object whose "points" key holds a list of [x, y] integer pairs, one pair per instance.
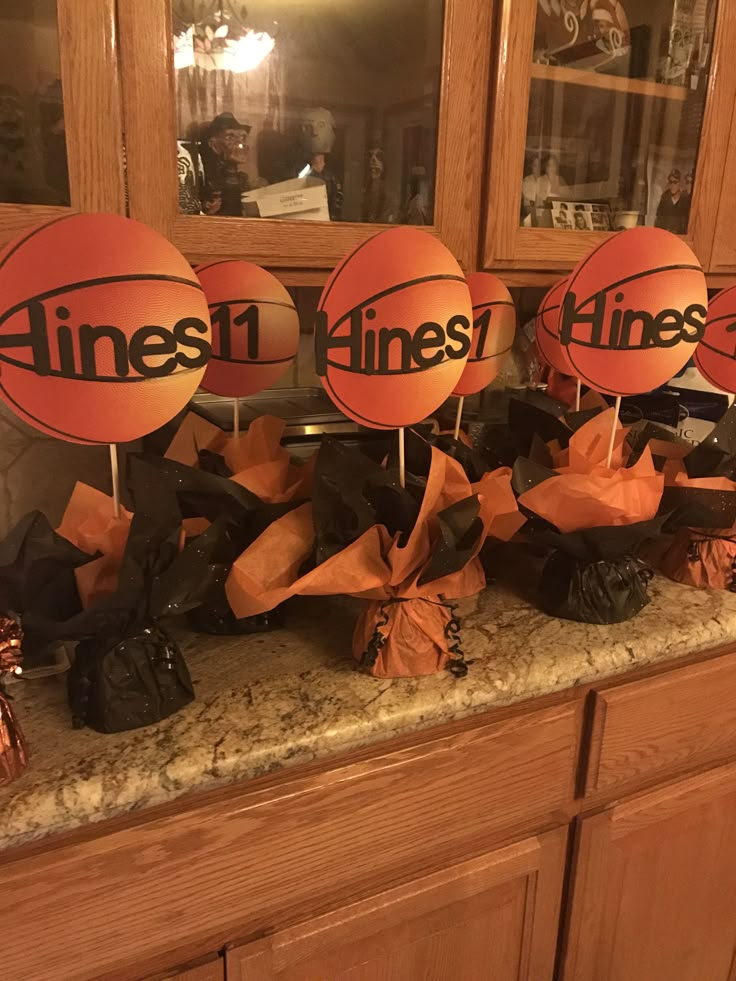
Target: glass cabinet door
{"points": [[33, 159], [623, 122], [615, 113], [308, 110], [289, 131], [61, 142]]}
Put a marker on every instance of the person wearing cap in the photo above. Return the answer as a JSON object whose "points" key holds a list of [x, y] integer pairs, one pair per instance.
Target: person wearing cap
{"points": [[673, 211], [222, 144]]}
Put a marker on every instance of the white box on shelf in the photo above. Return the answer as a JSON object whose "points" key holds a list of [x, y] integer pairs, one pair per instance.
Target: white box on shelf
{"points": [[302, 198]]}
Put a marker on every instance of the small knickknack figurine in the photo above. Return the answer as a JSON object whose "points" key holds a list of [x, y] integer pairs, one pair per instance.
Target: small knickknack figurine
{"points": [[13, 757]]}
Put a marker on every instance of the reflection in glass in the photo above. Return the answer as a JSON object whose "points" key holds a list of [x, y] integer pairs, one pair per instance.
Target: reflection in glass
{"points": [[308, 109], [33, 162], [616, 109]]}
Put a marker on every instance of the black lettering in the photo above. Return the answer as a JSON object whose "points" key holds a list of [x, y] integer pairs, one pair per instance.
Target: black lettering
{"points": [[39, 338], [369, 358], [250, 317], [385, 336], [65, 344], [695, 316], [429, 335], [613, 334], [88, 338], [481, 325], [221, 319], [148, 342], [666, 322], [457, 330], [630, 318], [323, 343], [570, 317], [184, 337]]}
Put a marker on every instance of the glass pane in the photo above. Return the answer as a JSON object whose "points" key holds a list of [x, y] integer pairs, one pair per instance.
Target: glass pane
{"points": [[308, 109], [33, 163], [616, 109]]}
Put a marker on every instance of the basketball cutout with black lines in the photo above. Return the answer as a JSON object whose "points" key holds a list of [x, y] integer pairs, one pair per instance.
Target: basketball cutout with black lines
{"points": [[633, 312], [394, 329], [104, 330], [715, 356], [547, 330], [494, 327], [255, 328]]}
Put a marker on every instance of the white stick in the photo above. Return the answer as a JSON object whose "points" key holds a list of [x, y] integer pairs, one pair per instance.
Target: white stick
{"points": [[577, 397], [458, 417], [402, 459], [613, 430], [115, 480], [236, 418]]}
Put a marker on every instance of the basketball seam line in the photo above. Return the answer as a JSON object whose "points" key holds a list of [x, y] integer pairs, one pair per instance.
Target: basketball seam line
{"points": [[338, 269], [494, 303], [53, 373], [275, 303], [631, 279], [251, 361], [392, 290], [103, 281]]}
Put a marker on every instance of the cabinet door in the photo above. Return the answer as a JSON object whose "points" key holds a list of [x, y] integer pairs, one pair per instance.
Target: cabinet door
{"points": [[607, 115], [60, 119], [654, 889], [290, 132], [493, 917], [211, 970], [723, 259]]}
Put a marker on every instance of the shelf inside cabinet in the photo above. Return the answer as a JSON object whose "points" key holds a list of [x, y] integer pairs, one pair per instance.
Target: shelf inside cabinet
{"points": [[611, 83]]}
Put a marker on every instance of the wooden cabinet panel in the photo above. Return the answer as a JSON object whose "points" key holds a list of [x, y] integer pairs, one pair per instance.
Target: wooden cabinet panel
{"points": [[212, 970], [493, 917], [654, 891], [92, 117], [649, 730], [167, 888]]}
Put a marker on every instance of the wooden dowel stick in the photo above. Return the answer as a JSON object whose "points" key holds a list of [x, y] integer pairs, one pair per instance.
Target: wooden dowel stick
{"points": [[402, 458], [115, 480], [458, 417], [613, 430], [236, 418], [577, 396]]}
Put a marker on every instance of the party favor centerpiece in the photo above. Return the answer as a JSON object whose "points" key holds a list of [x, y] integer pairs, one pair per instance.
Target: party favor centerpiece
{"points": [[630, 316]]}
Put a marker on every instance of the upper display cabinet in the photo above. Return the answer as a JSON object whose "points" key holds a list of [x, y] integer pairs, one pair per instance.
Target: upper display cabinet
{"points": [[287, 131], [60, 120], [608, 114]]}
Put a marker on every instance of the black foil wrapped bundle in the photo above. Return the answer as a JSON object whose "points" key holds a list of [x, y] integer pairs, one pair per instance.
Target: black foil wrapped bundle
{"points": [[595, 517], [209, 493], [128, 672], [595, 576], [37, 584]]}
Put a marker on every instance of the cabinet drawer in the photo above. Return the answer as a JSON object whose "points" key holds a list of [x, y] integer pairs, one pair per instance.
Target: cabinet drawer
{"points": [[661, 727], [249, 859]]}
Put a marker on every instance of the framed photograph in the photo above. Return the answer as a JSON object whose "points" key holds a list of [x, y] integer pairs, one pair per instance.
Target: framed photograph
{"points": [[574, 216], [670, 179]]}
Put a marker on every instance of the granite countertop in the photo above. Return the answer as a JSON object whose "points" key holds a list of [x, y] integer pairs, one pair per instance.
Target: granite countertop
{"points": [[273, 700]]}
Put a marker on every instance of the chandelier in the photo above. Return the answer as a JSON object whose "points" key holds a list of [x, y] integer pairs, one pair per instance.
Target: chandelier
{"points": [[215, 37]]}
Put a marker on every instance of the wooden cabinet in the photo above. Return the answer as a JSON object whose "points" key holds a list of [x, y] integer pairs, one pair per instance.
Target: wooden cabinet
{"points": [[210, 970], [723, 259], [412, 122], [592, 112], [492, 917], [62, 144], [654, 888]]}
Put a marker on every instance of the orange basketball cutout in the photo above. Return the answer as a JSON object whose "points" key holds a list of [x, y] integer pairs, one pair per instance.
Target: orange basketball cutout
{"points": [[394, 329], [104, 332], [547, 330], [715, 356], [633, 312], [494, 327], [255, 328]]}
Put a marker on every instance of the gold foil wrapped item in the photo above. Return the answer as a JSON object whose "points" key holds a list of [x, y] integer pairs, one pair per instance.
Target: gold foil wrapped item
{"points": [[13, 757]]}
